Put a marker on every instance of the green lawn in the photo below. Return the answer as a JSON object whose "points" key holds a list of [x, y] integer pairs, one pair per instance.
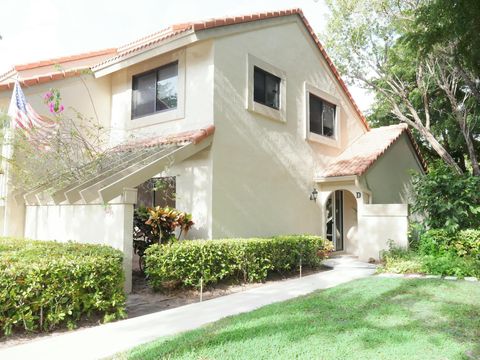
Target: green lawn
{"points": [[373, 318]]}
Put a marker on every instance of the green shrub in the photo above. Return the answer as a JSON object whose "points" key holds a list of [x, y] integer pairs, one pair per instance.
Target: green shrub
{"points": [[45, 284], [434, 242], [465, 243], [439, 253], [450, 265], [468, 243], [400, 260], [446, 199], [186, 262]]}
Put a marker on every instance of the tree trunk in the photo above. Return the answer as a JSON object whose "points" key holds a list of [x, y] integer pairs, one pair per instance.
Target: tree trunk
{"points": [[439, 149], [473, 155]]}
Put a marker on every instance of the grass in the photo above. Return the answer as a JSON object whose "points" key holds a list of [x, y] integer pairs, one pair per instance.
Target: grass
{"points": [[373, 318]]}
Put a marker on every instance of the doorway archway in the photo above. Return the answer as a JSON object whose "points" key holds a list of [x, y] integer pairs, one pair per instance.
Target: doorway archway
{"points": [[341, 220]]}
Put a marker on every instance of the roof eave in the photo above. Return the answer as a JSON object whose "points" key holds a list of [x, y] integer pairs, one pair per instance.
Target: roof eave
{"points": [[181, 40], [341, 178]]}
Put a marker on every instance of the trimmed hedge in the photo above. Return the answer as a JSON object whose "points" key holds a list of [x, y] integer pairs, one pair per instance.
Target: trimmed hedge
{"points": [[249, 260], [45, 284]]}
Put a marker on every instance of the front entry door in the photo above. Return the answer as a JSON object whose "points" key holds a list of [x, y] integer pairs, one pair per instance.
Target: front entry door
{"points": [[335, 219]]}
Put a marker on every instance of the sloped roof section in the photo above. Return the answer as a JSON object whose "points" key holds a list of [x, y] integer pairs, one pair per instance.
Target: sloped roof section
{"points": [[53, 69], [192, 136], [363, 153], [128, 165], [149, 42]]}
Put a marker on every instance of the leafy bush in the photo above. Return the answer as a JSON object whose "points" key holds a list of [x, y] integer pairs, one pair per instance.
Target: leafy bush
{"points": [[439, 253], [400, 260], [447, 200], [465, 243], [45, 284], [250, 260], [434, 242], [450, 265]]}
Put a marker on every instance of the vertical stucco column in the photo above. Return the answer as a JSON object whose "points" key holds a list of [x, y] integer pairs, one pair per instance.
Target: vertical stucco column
{"points": [[128, 199], [14, 216]]}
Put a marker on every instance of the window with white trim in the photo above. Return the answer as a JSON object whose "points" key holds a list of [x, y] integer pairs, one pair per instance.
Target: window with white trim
{"points": [[322, 115], [266, 89], [155, 90]]}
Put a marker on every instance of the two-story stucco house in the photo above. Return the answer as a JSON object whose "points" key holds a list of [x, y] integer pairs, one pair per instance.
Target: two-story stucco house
{"points": [[249, 119]]}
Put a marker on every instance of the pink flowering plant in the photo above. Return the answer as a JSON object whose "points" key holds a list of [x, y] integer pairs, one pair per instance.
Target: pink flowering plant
{"points": [[53, 100], [67, 142]]}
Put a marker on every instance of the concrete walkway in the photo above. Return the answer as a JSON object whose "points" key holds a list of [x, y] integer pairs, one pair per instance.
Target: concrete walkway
{"points": [[106, 340]]}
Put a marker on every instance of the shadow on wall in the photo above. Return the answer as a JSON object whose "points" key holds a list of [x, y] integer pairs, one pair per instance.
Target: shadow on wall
{"points": [[274, 168]]}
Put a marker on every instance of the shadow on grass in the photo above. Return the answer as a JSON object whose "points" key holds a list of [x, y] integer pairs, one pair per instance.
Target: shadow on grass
{"points": [[370, 315]]}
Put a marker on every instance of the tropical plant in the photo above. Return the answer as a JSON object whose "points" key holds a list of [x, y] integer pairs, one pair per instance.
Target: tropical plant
{"points": [[164, 221]]}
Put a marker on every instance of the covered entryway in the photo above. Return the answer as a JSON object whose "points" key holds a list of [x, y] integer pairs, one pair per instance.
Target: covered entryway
{"points": [[341, 220], [364, 192]]}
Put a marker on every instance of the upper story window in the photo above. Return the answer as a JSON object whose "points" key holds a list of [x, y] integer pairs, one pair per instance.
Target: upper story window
{"points": [[155, 90], [322, 116], [266, 88]]}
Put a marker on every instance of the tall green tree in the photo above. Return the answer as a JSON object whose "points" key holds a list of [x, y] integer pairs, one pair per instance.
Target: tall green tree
{"points": [[380, 45]]}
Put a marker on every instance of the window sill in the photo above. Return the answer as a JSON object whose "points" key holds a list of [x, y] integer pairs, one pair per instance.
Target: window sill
{"points": [[267, 111], [324, 140], [156, 118]]}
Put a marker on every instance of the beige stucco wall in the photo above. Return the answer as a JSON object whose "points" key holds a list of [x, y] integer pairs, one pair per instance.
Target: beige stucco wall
{"points": [[93, 224], [264, 169], [379, 224], [350, 223], [195, 95], [89, 96], [111, 96], [194, 191], [389, 178]]}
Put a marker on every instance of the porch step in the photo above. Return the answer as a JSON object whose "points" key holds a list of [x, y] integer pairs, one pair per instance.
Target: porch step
{"points": [[346, 261], [342, 255]]}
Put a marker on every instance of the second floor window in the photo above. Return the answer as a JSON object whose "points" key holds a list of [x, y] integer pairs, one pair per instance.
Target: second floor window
{"points": [[155, 90], [322, 116], [266, 88]]}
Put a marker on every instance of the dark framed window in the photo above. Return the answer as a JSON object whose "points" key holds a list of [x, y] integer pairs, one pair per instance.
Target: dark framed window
{"points": [[155, 90], [157, 192], [266, 88], [322, 116]]}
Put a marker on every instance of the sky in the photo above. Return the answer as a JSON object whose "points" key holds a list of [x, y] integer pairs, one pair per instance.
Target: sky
{"points": [[34, 30]]}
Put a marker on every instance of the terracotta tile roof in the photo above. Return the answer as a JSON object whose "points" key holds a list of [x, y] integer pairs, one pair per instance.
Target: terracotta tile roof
{"points": [[153, 40], [192, 136], [113, 56], [361, 154], [53, 69]]}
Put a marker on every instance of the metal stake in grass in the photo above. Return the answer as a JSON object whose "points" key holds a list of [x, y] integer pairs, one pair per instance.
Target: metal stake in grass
{"points": [[300, 266]]}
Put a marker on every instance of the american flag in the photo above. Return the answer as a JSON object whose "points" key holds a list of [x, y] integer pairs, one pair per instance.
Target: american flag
{"points": [[34, 126]]}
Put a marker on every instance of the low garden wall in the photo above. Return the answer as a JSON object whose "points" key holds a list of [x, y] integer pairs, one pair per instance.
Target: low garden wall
{"points": [[188, 263], [45, 284]]}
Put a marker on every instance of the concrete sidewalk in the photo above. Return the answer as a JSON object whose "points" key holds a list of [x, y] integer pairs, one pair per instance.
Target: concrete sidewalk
{"points": [[105, 340]]}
